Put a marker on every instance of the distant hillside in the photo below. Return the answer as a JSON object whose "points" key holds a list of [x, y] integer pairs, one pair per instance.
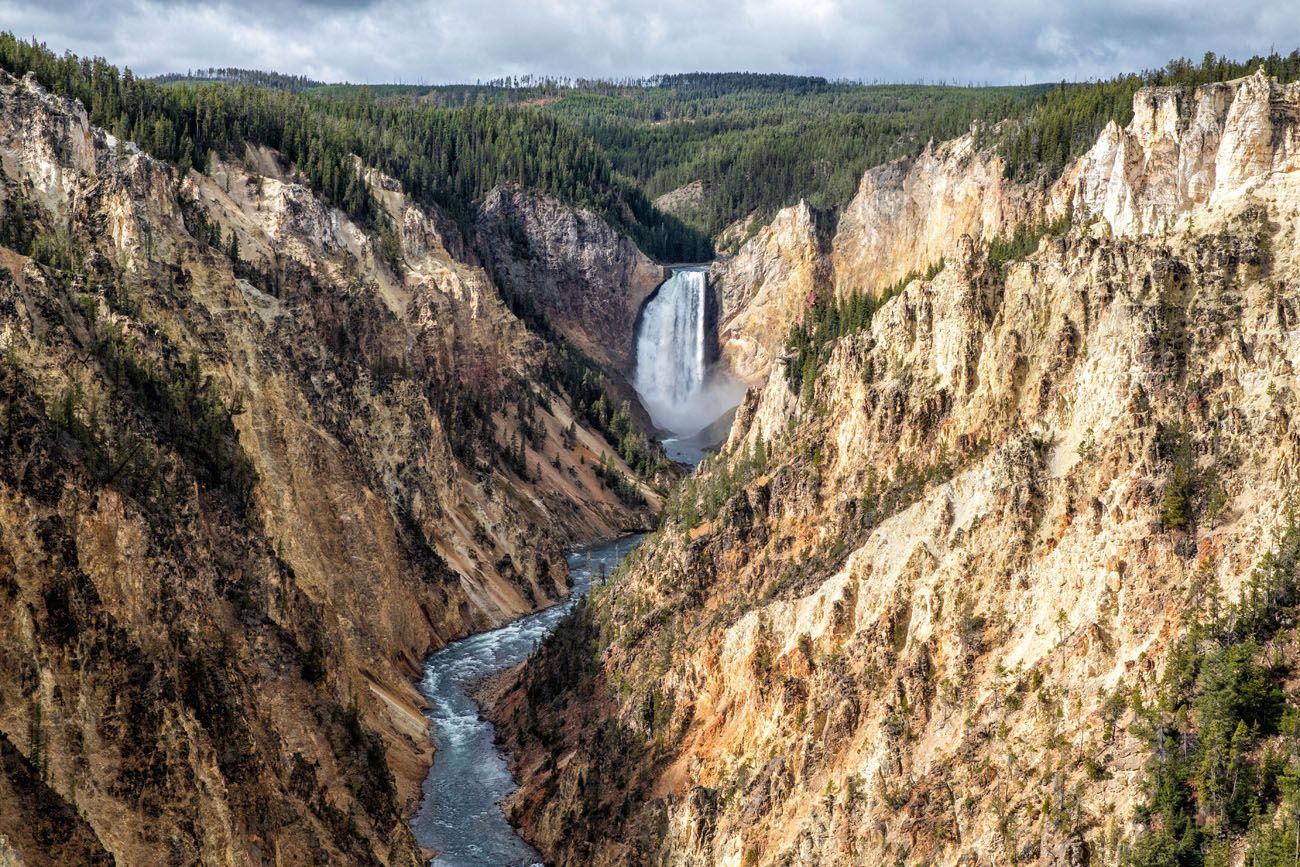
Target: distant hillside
{"points": [[235, 75], [758, 142], [748, 144]]}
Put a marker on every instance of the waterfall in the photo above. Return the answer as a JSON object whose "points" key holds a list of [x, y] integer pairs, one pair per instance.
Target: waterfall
{"points": [[671, 367]]}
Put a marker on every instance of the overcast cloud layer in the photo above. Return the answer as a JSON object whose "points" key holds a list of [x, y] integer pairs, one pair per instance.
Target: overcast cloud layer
{"points": [[430, 41]]}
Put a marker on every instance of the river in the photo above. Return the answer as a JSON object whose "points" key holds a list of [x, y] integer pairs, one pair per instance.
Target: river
{"points": [[460, 816]]}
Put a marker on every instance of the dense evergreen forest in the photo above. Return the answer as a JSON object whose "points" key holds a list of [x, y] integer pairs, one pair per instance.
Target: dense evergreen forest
{"points": [[748, 143], [757, 148], [757, 142]]}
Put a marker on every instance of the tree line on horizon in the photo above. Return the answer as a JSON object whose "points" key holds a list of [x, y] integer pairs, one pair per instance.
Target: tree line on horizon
{"points": [[236, 75], [755, 142]]}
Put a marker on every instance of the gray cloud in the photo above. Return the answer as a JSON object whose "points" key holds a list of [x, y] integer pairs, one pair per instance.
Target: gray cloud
{"points": [[1003, 41]]}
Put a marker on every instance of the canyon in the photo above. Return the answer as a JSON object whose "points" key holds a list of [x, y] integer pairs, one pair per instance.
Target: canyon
{"points": [[921, 609], [252, 474], [903, 531]]}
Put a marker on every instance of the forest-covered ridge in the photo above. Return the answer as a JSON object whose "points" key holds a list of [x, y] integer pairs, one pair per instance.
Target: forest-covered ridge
{"points": [[236, 75], [746, 144], [755, 142], [758, 142], [444, 157]]}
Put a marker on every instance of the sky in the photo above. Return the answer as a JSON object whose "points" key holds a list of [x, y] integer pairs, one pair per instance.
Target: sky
{"points": [[436, 41]]}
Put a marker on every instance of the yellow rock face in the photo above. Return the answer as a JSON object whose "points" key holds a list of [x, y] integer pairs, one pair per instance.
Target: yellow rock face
{"points": [[896, 641], [905, 218], [765, 287], [1183, 151]]}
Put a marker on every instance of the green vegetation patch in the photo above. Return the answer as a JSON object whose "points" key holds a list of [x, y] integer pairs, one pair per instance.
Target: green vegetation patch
{"points": [[1223, 732]]}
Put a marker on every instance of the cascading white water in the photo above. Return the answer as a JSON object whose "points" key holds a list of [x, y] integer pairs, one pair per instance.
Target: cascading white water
{"points": [[670, 357], [677, 386]]}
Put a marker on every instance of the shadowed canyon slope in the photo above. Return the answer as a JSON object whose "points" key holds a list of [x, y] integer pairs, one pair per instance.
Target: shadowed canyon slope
{"points": [[571, 267], [935, 606], [255, 461]]}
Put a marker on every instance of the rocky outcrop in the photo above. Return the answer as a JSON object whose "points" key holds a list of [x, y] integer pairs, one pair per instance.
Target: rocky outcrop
{"points": [[569, 266], [905, 218], [684, 200], [907, 214], [915, 615], [1185, 150], [255, 462], [730, 239], [765, 287]]}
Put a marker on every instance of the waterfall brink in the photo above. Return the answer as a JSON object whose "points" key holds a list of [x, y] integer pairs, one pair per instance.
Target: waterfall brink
{"points": [[672, 370]]}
